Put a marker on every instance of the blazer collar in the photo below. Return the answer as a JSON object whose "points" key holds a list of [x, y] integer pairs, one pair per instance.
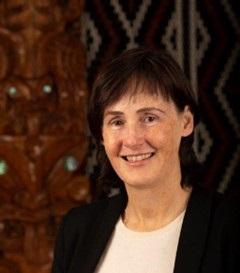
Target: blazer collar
{"points": [[191, 242]]}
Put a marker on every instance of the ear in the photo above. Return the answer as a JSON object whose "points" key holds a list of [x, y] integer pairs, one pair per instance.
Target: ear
{"points": [[188, 123]]}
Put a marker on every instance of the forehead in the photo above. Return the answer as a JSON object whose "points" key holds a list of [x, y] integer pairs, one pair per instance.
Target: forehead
{"points": [[138, 100]]}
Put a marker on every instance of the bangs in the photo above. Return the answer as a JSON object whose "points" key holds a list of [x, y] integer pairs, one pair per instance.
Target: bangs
{"points": [[149, 85], [139, 82]]}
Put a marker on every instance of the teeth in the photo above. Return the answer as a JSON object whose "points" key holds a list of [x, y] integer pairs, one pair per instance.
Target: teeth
{"points": [[135, 158]]}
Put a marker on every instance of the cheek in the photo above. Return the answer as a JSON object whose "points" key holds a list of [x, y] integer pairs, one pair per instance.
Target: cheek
{"points": [[160, 133], [111, 143], [165, 137]]}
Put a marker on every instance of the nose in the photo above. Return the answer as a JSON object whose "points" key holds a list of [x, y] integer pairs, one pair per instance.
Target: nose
{"points": [[134, 136]]}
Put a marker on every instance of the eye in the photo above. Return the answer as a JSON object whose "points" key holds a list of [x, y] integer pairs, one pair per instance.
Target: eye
{"points": [[116, 122], [149, 119]]}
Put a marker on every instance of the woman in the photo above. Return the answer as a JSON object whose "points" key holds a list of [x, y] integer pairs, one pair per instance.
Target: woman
{"points": [[142, 113]]}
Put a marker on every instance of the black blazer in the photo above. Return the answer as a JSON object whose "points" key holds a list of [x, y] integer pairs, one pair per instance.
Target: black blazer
{"points": [[209, 239]]}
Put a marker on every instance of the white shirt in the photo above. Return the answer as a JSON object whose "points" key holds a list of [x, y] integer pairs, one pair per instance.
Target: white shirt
{"points": [[142, 252]]}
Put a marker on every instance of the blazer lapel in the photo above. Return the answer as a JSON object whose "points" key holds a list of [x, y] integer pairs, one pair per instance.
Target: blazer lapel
{"points": [[88, 252], [193, 234]]}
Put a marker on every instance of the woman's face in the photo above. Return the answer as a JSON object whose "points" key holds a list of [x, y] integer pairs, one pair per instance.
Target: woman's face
{"points": [[141, 136]]}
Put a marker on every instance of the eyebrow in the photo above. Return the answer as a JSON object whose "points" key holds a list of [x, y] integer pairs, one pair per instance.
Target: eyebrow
{"points": [[113, 113], [145, 109], [148, 109]]}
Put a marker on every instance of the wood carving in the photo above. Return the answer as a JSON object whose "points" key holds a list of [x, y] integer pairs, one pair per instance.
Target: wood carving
{"points": [[42, 127]]}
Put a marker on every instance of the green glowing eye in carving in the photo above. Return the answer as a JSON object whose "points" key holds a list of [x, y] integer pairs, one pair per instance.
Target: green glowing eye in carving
{"points": [[12, 90], [3, 167], [47, 88], [71, 163]]}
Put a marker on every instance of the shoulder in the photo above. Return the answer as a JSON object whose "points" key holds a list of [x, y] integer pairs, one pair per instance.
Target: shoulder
{"points": [[79, 218], [79, 225], [93, 207], [222, 211], [228, 212], [76, 223]]}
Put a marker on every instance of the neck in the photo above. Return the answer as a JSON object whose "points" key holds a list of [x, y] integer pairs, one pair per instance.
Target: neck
{"points": [[153, 208]]}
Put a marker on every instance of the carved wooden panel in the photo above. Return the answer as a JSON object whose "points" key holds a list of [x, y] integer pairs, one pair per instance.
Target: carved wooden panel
{"points": [[42, 127]]}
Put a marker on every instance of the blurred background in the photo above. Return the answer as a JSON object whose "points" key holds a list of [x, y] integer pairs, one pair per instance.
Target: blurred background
{"points": [[50, 54]]}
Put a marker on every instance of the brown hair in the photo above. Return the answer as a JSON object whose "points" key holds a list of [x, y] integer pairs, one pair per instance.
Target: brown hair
{"points": [[160, 73]]}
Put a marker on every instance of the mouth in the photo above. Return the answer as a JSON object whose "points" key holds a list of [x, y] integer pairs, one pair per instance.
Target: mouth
{"points": [[137, 157]]}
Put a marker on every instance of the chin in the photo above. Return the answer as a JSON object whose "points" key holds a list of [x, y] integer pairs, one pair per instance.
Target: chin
{"points": [[138, 183]]}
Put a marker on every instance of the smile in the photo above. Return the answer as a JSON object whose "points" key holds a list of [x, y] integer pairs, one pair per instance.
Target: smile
{"points": [[136, 158]]}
